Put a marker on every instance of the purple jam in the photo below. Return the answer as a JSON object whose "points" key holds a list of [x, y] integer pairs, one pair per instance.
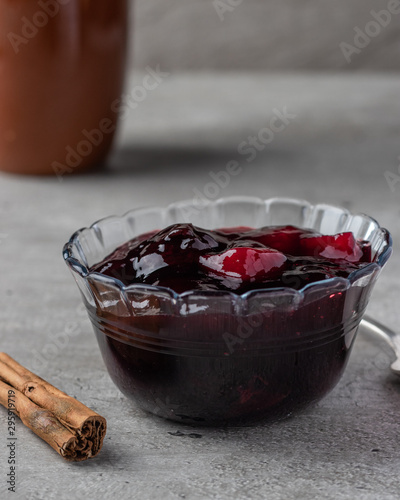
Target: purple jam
{"points": [[199, 360], [184, 257]]}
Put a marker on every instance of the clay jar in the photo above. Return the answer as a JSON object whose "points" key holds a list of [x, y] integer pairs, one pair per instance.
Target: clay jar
{"points": [[61, 68]]}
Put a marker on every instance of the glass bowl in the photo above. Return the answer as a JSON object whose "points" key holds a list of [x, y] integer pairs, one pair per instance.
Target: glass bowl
{"points": [[217, 358]]}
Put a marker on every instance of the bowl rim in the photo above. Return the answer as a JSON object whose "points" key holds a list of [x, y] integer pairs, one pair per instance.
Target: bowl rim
{"points": [[81, 269]]}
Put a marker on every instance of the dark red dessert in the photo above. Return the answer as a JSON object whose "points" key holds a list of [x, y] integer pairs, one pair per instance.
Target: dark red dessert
{"points": [[184, 257], [222, 358]]}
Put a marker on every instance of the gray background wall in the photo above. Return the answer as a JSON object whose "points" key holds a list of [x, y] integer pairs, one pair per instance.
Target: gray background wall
{"points": [[261, 35]]}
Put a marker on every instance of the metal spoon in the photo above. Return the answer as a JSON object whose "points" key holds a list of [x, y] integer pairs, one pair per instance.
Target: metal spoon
{"points": [[392, 338]]}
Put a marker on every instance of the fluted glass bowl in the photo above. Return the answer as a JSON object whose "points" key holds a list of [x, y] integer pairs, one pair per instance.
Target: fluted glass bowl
{"points": [[217, 357]]}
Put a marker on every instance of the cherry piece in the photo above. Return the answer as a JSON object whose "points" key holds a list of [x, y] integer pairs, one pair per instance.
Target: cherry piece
{"points": [[339, 246], [245, 264], [286, 239]]}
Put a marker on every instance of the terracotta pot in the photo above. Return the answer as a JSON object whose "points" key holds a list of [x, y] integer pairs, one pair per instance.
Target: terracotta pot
{"points": [[62, 67]]}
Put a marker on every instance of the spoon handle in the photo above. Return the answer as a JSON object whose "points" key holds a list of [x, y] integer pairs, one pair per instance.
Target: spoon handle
{"points": [[391, 337]]}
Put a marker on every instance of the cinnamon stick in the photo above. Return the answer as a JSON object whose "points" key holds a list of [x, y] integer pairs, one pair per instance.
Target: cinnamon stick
{"points": [[68, 426]]}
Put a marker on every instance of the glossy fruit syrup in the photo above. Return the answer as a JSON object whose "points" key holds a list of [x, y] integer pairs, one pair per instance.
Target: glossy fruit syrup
{"points": [[209, 365], [184, 257]]}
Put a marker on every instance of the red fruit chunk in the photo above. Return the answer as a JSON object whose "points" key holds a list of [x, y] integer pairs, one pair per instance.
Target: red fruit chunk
{"points": [[245, 264], [339, 246], [286, 239]]}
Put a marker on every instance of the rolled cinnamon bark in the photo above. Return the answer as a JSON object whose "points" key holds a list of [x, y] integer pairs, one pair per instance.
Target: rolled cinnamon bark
{"points": [[73, 430]]}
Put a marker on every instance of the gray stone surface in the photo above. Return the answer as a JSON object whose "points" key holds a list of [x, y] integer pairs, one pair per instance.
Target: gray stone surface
{"points": [[261, 35], [337, 150]]}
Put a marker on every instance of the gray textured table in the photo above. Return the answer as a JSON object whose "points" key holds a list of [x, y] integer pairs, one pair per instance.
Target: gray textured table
{"points": [[344, 138]]}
